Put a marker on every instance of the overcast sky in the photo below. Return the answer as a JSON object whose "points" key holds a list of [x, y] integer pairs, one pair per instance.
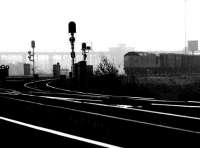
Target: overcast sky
{"points": [[143, 24]]}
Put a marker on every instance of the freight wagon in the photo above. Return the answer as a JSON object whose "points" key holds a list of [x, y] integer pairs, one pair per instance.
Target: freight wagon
{"points": [[143, 63]]}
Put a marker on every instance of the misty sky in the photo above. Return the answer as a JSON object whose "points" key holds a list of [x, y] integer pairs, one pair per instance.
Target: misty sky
{"points": [[143, 24]]}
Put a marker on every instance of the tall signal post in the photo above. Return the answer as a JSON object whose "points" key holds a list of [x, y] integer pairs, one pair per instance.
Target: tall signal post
{"points": [[72, 31], [32, 56], [85, 49]]}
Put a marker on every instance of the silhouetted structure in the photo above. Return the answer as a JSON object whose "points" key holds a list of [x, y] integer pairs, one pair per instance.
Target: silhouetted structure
{"points": [[82, 74], [85, 49], [56, 70], [89, 71], [72, 30], [32, 56], [27, 69], [4, 72], [192, 46]]}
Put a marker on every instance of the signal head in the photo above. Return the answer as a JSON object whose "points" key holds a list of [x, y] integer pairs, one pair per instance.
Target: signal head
{"points": [[29, 52], [72, 27], [33, 44], [83, 46], [88, 48]]}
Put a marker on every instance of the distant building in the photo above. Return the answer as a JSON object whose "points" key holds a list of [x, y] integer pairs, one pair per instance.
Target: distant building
{"points": [[117, 56], [16, 68], [192, 45], [56, 70]]}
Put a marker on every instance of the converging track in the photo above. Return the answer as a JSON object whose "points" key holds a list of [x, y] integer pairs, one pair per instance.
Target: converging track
{"points": [[188, 110], [45, 89], [140, 117]]}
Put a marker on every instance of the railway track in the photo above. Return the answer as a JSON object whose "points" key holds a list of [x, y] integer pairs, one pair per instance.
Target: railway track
{"points": [[153, 117], [38, 136], [187, 108]]}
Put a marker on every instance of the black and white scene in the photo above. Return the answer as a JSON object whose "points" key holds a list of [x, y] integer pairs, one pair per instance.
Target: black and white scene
{"points": [[106, 73]]}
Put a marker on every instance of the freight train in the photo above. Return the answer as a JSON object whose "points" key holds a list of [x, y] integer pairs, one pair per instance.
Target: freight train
{"points": [[143, 63]]}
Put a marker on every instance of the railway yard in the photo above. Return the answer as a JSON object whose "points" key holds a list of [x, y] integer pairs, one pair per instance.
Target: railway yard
{"points": [[95, 120]]}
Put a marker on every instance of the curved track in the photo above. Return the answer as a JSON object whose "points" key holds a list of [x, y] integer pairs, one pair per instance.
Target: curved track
{"points": [[180, 118], [27, 97], [126, 102], [184, 110]]}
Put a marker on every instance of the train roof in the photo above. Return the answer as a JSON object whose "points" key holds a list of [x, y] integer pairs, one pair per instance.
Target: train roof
{"points": [[131, 54], [138, 54]]}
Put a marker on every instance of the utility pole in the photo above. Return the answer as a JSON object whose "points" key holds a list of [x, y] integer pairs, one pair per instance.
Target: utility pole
{"points": [[185, 24], [72, 30], [32, 56]]}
